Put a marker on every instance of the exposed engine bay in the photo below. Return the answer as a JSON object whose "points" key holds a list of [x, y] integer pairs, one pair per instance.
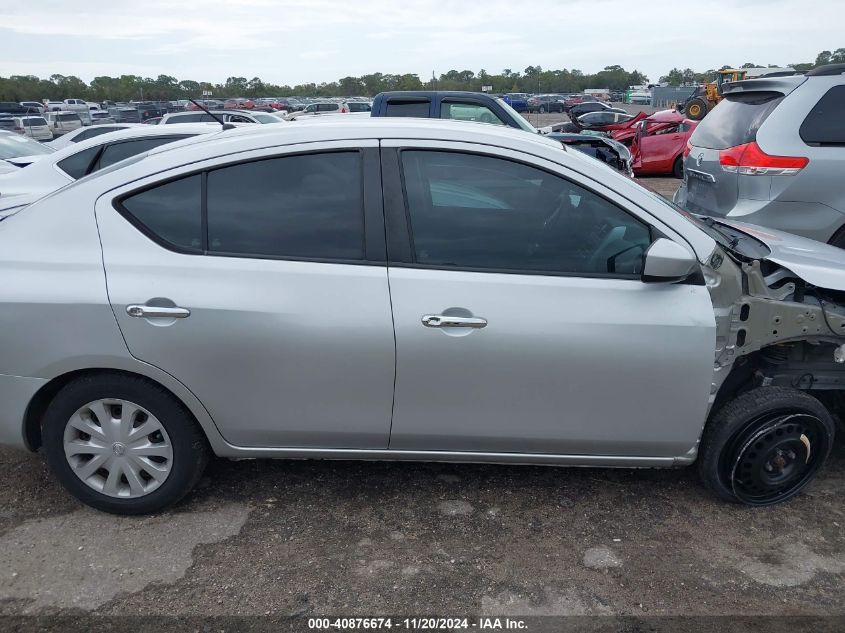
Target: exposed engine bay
{"points": [[773, 328]]}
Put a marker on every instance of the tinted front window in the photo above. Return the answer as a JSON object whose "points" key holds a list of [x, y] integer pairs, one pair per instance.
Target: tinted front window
{"points": [[419, 109], [825, 124], [479, 212], [172, 211], [77, 165], [116, 152], [307, 206], [735, 120]]}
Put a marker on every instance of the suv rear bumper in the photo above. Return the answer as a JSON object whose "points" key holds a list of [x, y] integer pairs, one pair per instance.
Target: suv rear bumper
{"points": [[814, 220]]}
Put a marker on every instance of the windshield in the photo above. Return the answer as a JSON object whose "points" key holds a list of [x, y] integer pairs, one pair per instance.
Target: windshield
{"points": [[15, 145], [523, 124]]}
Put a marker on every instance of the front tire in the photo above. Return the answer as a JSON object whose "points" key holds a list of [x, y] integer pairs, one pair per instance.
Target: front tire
{"points": [[765, 446], [123, 444]]}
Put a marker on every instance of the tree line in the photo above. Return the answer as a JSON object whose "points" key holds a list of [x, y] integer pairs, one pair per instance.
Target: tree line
{"points": [[687, 76], [532, 79], [165, 87]]}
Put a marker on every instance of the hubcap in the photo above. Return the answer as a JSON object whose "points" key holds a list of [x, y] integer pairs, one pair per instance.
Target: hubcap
{"points": [[118, 448], [773, 459]]}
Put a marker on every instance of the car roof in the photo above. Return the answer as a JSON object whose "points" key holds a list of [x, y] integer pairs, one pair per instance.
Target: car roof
{"points": [[138, 131]]}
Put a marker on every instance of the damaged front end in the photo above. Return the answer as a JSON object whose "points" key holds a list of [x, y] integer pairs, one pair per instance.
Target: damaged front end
{"points": [[773, 327]]}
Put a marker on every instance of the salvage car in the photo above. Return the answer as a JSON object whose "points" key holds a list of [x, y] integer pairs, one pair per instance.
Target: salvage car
{"points": [[660, 149], [406, 289], [599, 147], [625, 134]]}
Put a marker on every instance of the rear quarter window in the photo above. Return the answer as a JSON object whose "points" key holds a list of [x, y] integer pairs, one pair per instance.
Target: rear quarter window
{"points": [[735, 120], [825, 124]]}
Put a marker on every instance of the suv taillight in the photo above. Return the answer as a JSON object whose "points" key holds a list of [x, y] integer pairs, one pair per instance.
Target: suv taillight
{"points": [[750, 160], [687, 149]]}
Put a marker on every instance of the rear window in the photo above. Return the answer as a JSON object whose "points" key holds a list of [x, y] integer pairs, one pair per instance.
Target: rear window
{"points": [[418, 109], [825, 125], [68, 117], [190, 118], [34, 120], [735, 120]]}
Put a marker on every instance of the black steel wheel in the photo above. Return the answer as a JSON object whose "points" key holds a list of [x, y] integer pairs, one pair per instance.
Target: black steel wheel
{"points": [[765, 446]]}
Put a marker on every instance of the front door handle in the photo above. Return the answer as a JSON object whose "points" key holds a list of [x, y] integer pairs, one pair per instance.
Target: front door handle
{"points": [[445, 320], [157, 312]]}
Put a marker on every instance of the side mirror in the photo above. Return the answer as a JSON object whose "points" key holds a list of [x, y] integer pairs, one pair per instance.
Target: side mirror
{"points": [[668, 262]]}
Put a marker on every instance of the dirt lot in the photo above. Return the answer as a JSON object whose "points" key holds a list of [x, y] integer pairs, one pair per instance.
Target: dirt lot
{"points": [[624, 550]]}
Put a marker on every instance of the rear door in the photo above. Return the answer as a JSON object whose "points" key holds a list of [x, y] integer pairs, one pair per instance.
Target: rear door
{"points": [[521, 320], [711, 189], [261, 286]]}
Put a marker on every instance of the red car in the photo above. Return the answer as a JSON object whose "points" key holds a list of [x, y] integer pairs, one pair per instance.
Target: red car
{"points": [[659, 148], [239, 104], [625, 134]]}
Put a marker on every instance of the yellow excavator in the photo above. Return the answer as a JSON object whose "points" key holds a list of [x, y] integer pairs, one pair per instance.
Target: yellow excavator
{"points": [[707, 96]]}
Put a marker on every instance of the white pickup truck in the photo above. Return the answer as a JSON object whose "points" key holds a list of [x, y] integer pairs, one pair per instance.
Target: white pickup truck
{"points": [[79, 106]]}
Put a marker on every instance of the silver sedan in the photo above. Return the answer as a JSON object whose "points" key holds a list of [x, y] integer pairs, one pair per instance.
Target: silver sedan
{"points": [[406, 289]]}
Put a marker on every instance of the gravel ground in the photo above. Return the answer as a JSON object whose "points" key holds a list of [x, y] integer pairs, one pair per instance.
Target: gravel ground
{"points": [[297, 539]]}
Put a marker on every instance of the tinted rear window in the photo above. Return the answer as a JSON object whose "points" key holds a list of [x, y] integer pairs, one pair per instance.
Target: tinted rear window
{"points": [[735, 120], [68, 117], [417, 109], [825, 125]]}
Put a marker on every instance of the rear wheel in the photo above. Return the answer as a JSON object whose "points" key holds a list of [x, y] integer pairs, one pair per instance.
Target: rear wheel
{"points": [[764, 446], [696, 109], [123, 444], [678, 167]]}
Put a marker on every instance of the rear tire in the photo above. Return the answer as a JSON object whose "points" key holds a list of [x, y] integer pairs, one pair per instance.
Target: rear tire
{"points": [[764, 446], [696, 109], [141, 472], [678, 167]]}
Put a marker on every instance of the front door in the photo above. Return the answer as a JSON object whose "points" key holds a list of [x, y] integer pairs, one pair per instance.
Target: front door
{"points": [[522, 323], [254, 285]]}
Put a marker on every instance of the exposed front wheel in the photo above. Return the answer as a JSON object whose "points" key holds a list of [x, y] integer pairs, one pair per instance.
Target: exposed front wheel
{"points": [[764, 446], [123, 444]]}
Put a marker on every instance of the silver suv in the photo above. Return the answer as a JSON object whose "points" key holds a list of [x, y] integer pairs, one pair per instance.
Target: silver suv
{"points": [[773, 153]]}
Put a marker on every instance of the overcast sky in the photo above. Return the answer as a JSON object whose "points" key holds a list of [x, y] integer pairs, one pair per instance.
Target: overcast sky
{"points": [[290, 42]]}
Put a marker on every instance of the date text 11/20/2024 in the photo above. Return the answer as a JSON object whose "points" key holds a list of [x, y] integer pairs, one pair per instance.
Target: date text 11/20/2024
{"points": [[417, 624]]}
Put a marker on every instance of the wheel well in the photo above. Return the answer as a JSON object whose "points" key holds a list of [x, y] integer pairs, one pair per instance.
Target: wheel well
{"points": [[798, 365], [41, 400]]}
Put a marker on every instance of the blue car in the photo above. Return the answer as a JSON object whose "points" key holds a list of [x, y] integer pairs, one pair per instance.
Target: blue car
{"points": [[517, 100]]}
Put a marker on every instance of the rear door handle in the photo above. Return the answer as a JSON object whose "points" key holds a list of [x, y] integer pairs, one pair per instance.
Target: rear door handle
{"points": [[443, 320], [157, 312]]}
